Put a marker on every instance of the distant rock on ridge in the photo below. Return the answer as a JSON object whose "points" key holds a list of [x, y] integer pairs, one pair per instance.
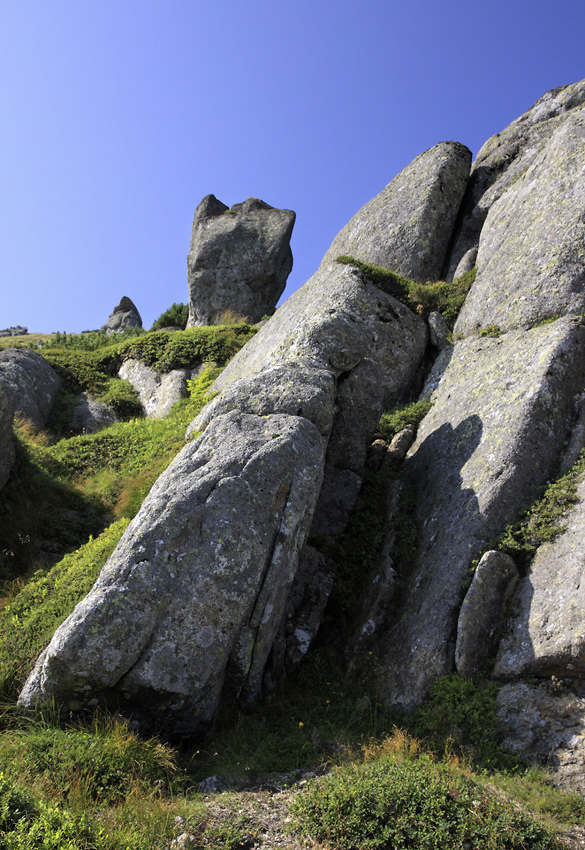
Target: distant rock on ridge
{"points": [[239, 259], [124, 315]]}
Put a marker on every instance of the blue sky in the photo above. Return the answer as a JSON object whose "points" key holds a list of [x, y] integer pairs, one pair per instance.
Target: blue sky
{"points": [[119, 116]]}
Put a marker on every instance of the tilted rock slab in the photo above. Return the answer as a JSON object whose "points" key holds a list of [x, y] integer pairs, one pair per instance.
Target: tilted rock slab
{"points": [[531, 258], [546, 634], [190, 602], [7, 453], [371, 343], [504, 158], [335, 321], [239, 259], [31, 383], [408, 225], [501, 415]]}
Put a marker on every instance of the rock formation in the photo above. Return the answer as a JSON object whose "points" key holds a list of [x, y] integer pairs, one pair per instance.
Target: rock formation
{"points": [[30, 382], [124, 315], [91, 415], [219, 585], [238, 261], [157, 392]]}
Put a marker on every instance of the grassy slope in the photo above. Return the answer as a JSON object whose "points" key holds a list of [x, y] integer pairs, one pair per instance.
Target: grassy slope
{"points": [[94, 784]]}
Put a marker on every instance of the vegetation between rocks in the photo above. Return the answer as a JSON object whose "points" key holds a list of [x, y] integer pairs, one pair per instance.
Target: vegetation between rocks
{"points": [[447, 298]]}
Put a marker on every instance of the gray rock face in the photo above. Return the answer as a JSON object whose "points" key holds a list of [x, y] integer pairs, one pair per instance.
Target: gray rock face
{"points": [[6, 439], [546, 725], [293, 389], [157, 392], [124, 315], [239, 259], [502, 411], [90, 416], [189, 604], [407, 227], [491, 588], [30, 382], [503, 160], [335, 321], [438, 330], [546, 635], [531, 259]]}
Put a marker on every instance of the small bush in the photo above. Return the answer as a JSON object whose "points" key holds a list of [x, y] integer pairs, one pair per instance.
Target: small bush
{"points": [[445, 297], [177, 315], [393, 421], [407, 800]]}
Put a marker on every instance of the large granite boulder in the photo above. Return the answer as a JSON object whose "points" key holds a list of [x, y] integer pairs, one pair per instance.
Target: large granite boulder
{"points": [[6, 440], [30, 382], [501, 415], [239, 259], [531, 259], [408, 226], [546, 635], [125, 315], [158, 392], [504, 158], [188, 606]]}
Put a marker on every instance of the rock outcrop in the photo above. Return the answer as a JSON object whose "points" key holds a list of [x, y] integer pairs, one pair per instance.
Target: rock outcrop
{"points": [[219, 585], [501, 414], [125, 315], [531, 258], [6, 440], [238, 261], [504, 158], [408, 226], [30, 382], [546, 635], [157, 391]]}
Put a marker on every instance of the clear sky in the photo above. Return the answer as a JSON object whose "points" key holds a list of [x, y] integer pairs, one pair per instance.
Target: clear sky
{"points": [[118, 116]]}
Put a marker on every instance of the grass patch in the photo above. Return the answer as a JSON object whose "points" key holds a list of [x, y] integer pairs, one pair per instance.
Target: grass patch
{"points": [[445, 297], [29, 618], [393, 421]]}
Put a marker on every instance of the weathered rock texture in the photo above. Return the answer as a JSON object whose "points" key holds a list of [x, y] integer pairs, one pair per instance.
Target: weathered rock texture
{"points": [[408, 226], [239, 259], [504, 158], [30, 382], [547, 626], [189, 604], [492, 586], [502, 412], [531, 259], [124, 315], [546, 725], [91, 415], [6, 439], [158, 392]]}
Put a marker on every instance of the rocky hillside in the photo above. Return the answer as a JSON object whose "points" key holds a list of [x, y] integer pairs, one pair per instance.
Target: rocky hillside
{"points": [[391, 467]]}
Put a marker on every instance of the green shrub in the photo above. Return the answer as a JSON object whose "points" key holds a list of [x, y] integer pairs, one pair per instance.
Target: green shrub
{"points": [[404, 799], [176, 315], [393, 421], [445, 297]]}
